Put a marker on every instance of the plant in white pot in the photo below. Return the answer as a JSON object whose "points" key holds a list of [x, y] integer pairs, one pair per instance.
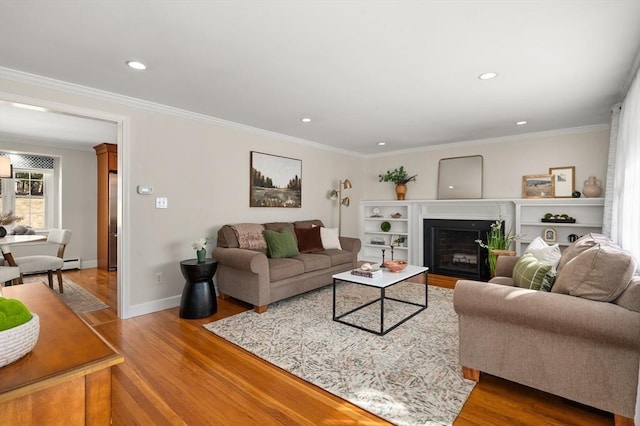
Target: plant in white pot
{"points": [[400, 178]]}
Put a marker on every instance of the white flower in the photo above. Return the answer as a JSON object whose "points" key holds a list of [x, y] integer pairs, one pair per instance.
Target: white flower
{"points": [[201, 243]]}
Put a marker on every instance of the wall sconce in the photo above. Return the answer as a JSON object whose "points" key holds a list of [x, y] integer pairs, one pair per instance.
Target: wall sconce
{"points": [[337, 195], [6, 169]]}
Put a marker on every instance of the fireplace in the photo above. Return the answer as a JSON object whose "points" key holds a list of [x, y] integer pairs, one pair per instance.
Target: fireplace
{"points": [[450, 247]]}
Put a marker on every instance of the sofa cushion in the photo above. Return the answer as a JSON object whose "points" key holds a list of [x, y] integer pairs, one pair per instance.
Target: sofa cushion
{"points": [[309, 240], [583, 243], [280, 244], [529, 272], [601, 273], [338, 257], [330, 238], [630, 297], [314, 262], [544, 252], [282, 268]]}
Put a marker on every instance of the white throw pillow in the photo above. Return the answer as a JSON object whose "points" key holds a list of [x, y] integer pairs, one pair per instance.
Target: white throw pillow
{"points": [[544, 252], [330, 238]]}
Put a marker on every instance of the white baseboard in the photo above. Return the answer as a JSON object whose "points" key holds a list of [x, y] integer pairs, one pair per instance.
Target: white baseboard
{"points": [[153, 306], [87, 264]]}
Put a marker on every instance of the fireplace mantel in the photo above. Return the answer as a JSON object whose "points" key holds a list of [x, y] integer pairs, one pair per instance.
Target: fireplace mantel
{"points": [[522, 216]]}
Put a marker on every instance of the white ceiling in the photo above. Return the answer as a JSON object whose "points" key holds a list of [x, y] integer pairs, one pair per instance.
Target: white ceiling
{"points": [[401, 72]]}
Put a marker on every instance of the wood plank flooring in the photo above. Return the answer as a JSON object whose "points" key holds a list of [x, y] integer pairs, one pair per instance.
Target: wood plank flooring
{"points": [[177, 373]]}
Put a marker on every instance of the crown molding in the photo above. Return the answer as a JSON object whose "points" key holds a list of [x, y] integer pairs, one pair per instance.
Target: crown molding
{"points": [[103, 95], [488, 141]]}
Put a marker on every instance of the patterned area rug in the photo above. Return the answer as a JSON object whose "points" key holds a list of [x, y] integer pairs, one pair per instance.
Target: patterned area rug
{"points": [[77, 298], [409, 376]]}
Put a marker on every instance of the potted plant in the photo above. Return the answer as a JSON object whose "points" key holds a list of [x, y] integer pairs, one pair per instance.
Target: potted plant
{"points": [[5, 220], [498, 244], [400, 178]]}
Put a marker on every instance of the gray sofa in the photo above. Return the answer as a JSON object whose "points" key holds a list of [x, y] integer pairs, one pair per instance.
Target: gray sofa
{"points": [[252, 276], [581, 341]]}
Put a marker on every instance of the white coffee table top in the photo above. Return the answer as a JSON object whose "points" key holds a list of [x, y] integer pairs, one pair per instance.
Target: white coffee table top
{"points": [[386, 279]]}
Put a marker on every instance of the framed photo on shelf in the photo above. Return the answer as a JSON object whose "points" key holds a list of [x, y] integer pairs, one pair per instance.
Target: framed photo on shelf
{"points": [[549, 235], [564, 181], [538, 186]]}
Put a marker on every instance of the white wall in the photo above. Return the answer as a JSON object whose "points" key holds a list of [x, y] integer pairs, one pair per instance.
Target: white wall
{"points": [[505, 162], [78, 210], [202, 167]]}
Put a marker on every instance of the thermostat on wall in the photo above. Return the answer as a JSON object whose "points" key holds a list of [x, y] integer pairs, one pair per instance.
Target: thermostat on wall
{"points": [[145, 190]]}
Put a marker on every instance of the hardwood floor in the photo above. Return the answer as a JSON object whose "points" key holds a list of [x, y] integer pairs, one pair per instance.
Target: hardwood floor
{"points": [[177, 373]]}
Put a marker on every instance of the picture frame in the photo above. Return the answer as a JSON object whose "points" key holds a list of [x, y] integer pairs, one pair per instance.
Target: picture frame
{"points": [[549, 235], [538, 186], [564, 181], [275, 181]]}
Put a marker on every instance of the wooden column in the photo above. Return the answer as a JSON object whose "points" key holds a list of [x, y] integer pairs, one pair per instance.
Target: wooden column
{"points": [[107, 154]]}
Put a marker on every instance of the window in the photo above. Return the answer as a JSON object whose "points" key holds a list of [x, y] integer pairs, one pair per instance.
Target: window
{"points": [[30, 199], [30, 194]]}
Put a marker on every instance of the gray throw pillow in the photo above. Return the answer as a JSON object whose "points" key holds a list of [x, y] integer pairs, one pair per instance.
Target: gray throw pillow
{"points": [[599, 273]]}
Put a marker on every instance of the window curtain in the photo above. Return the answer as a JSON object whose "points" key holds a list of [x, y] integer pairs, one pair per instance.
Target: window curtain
{"points": [[622, 198]]}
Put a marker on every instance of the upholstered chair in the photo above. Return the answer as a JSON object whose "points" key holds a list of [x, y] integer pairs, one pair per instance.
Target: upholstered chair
{"points": [[8, 273], [33, 264]]}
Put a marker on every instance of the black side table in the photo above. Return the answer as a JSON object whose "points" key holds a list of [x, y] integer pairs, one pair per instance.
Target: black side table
{"points": [[199, 295]]}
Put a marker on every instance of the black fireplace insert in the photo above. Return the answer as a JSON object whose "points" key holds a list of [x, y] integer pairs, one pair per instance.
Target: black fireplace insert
{"points": [[450, 247]]}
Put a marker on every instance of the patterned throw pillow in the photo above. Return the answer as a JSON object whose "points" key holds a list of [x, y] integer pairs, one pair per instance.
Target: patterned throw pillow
{"points": [[529, 272]]}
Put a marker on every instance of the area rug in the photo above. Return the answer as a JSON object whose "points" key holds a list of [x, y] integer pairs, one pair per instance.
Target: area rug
{"points": [[409, 376], [77, 298]]}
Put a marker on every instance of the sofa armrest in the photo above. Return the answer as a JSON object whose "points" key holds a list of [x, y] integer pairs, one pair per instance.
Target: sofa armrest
{"points": [[550, 312], [505, 264], [242, 259], [350, 244]]}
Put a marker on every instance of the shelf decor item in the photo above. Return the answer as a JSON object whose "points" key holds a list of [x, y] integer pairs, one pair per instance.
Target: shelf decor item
{"points": [[557, 218], [549, 235], [538, 186], [385, 226], [565, 181], [592, 187], [400, 177]]}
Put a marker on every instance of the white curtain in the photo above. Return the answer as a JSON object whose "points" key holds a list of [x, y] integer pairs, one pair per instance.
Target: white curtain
{"points": [[624, 192]]}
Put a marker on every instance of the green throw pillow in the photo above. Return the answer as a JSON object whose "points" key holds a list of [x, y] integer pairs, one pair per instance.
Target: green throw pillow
{"points": [[13, 313], [529, 272], [280, 244]]}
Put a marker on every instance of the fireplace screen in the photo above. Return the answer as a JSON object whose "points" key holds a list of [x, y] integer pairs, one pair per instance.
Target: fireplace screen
{"points": [[450, 247]]}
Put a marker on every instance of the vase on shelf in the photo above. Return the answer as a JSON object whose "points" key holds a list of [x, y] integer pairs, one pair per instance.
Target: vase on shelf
{"points": [[401, 191], [592, 187], [201, 254]]}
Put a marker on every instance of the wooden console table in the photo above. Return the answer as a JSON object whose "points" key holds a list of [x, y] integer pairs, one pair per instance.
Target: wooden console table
{"points": [[66, 379]]}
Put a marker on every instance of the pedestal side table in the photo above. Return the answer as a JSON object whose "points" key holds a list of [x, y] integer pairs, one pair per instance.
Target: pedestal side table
{"points": [[199, 295]]}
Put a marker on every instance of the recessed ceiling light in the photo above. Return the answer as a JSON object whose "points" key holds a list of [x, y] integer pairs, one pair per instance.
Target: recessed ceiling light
{"points": [[136, 65], [306, 120], [488, 76], [382, 143], [521, 123]]}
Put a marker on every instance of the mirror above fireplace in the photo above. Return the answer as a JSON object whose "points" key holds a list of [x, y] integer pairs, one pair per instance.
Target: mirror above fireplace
{"points": [[460, 178]]}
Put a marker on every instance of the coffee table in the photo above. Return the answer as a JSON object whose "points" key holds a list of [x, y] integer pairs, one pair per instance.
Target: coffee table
{"points": [[382, 282]]}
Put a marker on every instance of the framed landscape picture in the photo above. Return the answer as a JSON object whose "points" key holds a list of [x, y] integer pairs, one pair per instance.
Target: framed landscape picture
{"points": [[538, 186], [564, 180], [275, 181]]}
